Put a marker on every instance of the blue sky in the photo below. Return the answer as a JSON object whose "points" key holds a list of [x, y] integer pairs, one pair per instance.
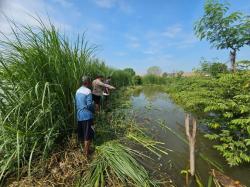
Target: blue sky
{"points": [[130, 33]]}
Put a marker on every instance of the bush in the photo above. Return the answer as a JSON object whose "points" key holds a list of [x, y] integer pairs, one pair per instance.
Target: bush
{"points": [[137, 80], [153, 79], [228, 98]]}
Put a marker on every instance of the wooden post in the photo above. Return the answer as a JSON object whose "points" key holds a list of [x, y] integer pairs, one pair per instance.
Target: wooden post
{"points": [[191, 140]]}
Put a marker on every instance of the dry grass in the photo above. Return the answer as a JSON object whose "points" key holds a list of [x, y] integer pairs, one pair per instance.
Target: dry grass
{"points": [[61, 169]]}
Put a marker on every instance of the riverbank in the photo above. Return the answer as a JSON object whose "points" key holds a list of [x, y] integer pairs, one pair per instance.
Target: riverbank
{"points": [[39, 73], [114, 162], [223, 103], [162, 116]]}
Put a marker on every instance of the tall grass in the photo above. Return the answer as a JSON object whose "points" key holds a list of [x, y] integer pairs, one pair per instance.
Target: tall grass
{"points": [[39, 74]]}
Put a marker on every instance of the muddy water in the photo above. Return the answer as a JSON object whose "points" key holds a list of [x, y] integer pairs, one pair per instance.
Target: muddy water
{"points": [[154, 110]]}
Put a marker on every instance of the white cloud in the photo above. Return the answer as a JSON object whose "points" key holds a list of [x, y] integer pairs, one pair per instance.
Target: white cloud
{"points": [[69, 6], [158, 41], [24, 13], [124, 6], [172, 31], [121, 4], [96, 27], [18, 12], [149, 52], [64, 3], [96, 31], [189, 41], [131, 37], [105, 3], [121, 54], [185, 41], [133, 41], [135, 44]]}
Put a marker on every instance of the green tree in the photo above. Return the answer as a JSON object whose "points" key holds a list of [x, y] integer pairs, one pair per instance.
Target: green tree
{"points": [[212, 68], [179, 74], [154, 70], [222, 29], [247, 30], [130, 70], [165, 74], [217, 68], [137, 80]]}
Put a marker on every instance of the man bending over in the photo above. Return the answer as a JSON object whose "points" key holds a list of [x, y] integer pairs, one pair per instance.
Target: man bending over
{"points": [[98, 88]]}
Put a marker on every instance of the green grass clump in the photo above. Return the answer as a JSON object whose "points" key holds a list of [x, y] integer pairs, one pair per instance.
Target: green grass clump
{"points": [[114, 160]]}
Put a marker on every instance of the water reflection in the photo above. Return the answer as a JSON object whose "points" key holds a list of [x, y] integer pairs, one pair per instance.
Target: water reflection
{"points": [[151, 93], [152, 106]]}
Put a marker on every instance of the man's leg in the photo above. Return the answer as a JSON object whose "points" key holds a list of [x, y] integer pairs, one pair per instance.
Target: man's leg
{"points": [[87, 147], [96, 99], [80, 132], [97, 108], [99, 103], [89, 135], [106, 101]]}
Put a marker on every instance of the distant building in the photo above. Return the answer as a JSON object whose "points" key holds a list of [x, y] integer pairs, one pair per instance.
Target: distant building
{"points": [[189, 74]]}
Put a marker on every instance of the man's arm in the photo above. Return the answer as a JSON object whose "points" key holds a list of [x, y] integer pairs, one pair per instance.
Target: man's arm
{"points": [[89, 103], [100, 83]]}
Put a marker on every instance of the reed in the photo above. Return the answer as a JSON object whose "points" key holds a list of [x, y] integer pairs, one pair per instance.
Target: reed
{"points": [[39, 74], [114, 160]]}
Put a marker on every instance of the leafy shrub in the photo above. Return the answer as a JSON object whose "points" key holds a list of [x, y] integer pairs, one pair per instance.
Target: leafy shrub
{"points": [[153, 79], [228, 99], [137, 80]]}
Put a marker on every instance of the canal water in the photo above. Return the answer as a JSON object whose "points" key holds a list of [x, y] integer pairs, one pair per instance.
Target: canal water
{"points": [[155, 110]]}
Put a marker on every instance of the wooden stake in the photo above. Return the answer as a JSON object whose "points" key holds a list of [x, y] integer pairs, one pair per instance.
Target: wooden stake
{"points": [[191, 140]]}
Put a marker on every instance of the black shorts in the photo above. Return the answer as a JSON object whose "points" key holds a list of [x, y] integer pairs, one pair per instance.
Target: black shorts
{"points": [[84, 130], [96, 98]]}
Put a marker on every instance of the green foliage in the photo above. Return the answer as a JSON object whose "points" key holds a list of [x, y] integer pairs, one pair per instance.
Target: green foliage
{"points": [[154, 70], [222, 29], [137, 80], [179, 74], [115, 160], [226, 103], [211, 68], [216, 68], [121, 78], [39, 74], [165, 74], [153, 79], [130, 70]]}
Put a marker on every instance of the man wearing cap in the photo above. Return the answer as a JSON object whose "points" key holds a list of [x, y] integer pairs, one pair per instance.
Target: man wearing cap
{"points": [[98, 87], [85, 109]]}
